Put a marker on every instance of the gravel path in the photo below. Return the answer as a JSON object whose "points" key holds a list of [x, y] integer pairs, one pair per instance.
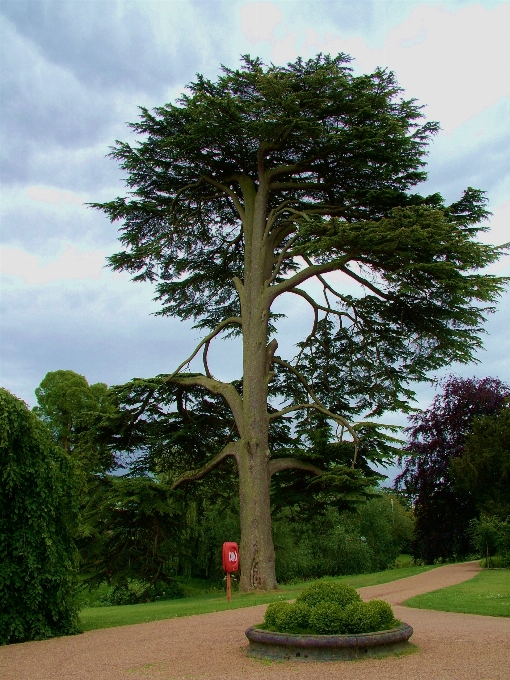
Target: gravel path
{"points": [[212, 646]]}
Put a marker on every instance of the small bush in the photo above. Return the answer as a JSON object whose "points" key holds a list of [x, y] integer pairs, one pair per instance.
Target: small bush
{"points": [[139, 592], [296, 618], [328, 618], [368, 617], [383, 614], [496, 562], [275, 615], [329, 609], [327, 591]]}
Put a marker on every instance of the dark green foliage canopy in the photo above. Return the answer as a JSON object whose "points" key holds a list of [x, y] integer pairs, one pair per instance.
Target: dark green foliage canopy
{"points": [[38, 512], [161, 429], [340, 155], [133, 529], [70, 407], [483, 470]]}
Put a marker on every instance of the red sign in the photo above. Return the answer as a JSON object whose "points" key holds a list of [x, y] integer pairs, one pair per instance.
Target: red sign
{"points": [[230, 557]]}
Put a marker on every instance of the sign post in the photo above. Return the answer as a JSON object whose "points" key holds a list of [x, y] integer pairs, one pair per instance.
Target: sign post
{"points": [[230, 561]]}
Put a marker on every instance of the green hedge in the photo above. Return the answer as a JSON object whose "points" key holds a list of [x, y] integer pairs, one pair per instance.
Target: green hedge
{"points": [[38, 510]]}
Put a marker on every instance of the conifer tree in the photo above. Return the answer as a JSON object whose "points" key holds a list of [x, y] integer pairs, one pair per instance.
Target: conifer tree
{"points": [[262, 184]]}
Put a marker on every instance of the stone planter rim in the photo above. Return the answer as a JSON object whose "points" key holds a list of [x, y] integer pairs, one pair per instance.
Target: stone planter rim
{"points": [[400, 634]]}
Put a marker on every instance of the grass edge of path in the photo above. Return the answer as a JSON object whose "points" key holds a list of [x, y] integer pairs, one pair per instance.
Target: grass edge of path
{"points": [[478, 595], [93, 618]]}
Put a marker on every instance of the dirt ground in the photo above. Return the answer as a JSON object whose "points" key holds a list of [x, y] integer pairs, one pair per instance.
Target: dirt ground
{"points": [[213, 646]]}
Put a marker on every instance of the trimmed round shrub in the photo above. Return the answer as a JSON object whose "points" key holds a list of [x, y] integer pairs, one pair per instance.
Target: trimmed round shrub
{"points": [[296, 617], [329, 609], [368, 617], [327, 618], [275, 615], [330, 592], [382, 612]]}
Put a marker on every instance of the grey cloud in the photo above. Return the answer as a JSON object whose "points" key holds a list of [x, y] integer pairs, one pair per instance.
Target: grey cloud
{"points": [[352, 17], [88, 170], [118, 45], [94, 329], [74, 72], [40, 228], [44, 102], [477, 154], [50, 122]]}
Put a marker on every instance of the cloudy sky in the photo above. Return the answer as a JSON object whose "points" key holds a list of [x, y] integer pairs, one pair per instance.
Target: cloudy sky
{"points": [[73, 73]]}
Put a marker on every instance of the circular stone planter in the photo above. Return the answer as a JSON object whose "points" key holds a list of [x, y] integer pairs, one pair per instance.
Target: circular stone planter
{"points": [[267, 645]]}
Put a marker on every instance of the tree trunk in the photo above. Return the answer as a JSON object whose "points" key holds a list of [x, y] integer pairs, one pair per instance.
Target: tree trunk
{"points": [[257, 550]]}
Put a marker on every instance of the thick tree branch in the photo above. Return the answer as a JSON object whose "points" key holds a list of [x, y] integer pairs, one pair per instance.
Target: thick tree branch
{"points": [[235, 198], [279, 464], [206, 341], [230, 449], [306, 274], [226, 390], [323, 280], [317, 405], [290, 409]]}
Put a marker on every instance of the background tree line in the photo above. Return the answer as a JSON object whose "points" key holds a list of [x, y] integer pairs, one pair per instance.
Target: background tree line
{"points": [[104, 497], [135, 527]]}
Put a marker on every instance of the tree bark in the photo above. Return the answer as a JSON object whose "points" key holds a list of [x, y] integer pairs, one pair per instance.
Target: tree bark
{"points": [[257, 551]]}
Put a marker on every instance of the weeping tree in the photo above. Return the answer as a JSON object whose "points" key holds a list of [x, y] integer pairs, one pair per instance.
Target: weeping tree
{"points": [[272, 181], [38, 517]]}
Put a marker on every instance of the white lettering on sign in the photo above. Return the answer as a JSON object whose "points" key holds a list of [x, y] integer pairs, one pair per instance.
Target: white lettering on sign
{"points": [[232, 556]]}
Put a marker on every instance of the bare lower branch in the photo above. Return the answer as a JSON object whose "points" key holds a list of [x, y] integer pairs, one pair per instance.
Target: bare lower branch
{"points": [[281, 257], [299, 376], [311, 334], [278, 210], [238, 284], [206, 365], [317, 405], [230, 449], [226, 390], [318, 307], [193, 185], [323, 280], [290, 409], [366, 283], [279, 464], [207, 340]]}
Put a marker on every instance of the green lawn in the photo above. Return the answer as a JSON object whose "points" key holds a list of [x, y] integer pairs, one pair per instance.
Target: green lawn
{"points": [[488, 593], [108, 617]]}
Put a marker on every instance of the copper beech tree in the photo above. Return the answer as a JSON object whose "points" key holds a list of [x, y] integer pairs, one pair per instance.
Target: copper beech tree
{"points": [[261, 184]]}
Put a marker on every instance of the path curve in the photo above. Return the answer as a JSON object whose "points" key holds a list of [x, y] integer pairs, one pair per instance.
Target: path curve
{"points": [[213, 646]]}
